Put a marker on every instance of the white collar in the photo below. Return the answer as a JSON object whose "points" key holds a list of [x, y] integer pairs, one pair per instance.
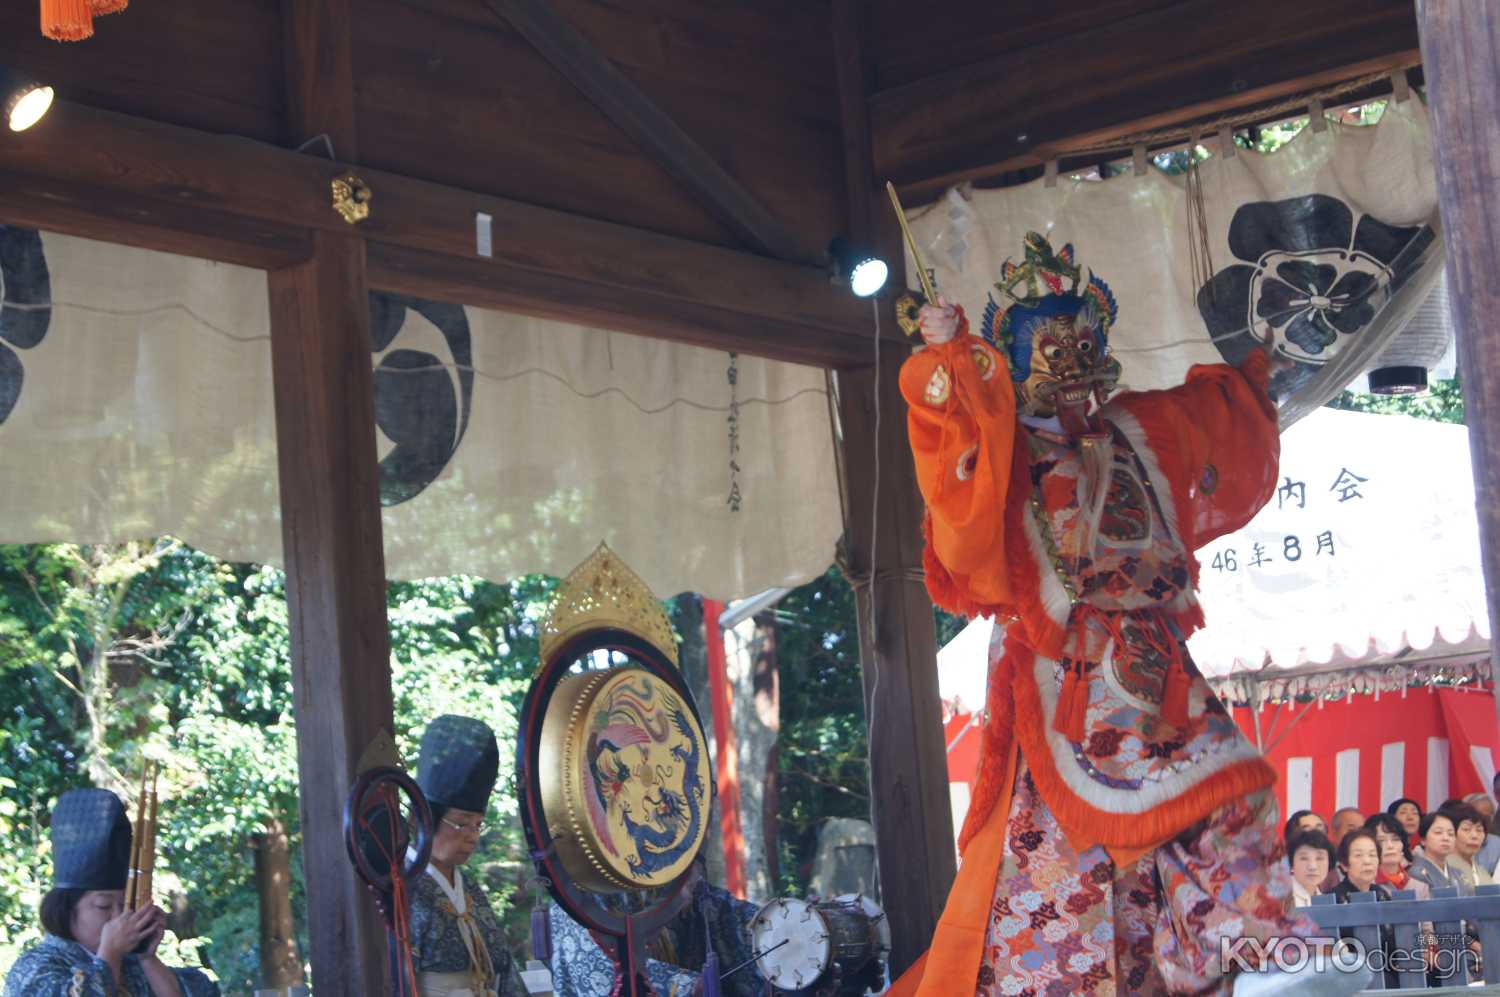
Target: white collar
{"points": [[454, 891]]}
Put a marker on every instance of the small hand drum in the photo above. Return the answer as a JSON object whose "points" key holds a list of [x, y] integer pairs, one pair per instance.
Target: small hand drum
{"points": [[828, 947]]}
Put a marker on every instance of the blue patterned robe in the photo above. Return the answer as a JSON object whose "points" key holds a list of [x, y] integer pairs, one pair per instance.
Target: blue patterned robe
{"points": [[438, 947], [581, 969], [58, 968]]}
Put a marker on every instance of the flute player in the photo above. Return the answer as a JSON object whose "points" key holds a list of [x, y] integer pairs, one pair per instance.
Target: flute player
{"points": [[91, 939]]}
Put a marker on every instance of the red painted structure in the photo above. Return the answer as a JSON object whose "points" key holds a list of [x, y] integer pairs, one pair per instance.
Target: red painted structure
{"points": [[726, 754]]}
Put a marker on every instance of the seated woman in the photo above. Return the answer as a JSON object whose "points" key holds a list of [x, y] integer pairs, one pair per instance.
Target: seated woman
{"points": [[458, 947], [1409, 815], [94, 947], [1489, 852], [1359, 858], [1439, 833], [1395, 855], [1468, 840], [1310, 854]]}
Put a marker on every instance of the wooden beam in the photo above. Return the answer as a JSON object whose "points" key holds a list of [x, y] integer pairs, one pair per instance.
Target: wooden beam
{"points": [[335, 584], [1461, 57], [506, 288], [882, 512], [1189, 60], [898, 652], [319, 64], [639, 117], [666, 286], [166, 227]]}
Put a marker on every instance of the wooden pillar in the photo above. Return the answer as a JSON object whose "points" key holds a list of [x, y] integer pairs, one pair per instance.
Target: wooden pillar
{"points": [[335, 585], [898, 651], [1461, 61], [882, 529]]}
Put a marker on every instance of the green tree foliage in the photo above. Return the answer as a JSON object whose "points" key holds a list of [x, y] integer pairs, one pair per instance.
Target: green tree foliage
{"points": [[823, 749], [1441, 402]]}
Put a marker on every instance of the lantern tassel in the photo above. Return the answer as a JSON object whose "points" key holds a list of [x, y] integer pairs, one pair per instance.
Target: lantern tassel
{"points": [[67, 20], [101, 7]]}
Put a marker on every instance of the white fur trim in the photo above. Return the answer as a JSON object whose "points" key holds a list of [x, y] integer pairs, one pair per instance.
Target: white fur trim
{"points": [[1169, 782]]}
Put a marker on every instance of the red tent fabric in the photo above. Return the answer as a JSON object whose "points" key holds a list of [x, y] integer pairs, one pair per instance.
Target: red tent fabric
{"points": [[1430, 744]]}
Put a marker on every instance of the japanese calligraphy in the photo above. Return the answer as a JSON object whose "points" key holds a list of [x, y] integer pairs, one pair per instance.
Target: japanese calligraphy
{"points": [[1258, 556], [1325, 542], [1347, 485], [1292, 489]]}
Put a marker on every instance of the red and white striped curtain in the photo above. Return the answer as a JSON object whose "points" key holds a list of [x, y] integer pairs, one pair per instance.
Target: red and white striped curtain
{"points": [[1429, 744]]}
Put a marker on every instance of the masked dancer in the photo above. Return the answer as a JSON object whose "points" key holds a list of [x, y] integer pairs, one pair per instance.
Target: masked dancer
{"points": [[1121, 825], [94, 947], [458, 946]]}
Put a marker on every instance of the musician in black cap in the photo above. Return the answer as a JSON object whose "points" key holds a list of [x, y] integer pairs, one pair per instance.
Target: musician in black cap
{"points": [[458, 946], [91, 939]]}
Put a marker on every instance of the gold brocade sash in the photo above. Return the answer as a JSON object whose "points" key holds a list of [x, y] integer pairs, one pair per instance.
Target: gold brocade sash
{"points": [[480, 976]]}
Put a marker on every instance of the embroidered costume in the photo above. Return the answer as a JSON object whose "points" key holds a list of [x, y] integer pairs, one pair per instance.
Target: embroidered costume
{"points": [[90, 852], [458, 947], [58, 968], [451, 925], [1121, 824], [581, 969]]}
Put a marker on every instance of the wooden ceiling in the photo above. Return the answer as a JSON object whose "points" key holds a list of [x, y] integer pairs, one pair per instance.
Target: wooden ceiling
{"points": [[801, 106]]}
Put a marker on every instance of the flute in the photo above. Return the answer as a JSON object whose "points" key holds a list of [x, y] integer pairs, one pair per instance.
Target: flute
{"points": [[143, 842]]}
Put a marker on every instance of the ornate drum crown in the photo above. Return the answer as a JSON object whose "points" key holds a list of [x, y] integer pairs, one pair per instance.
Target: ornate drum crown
{"points": [[603, 593]]}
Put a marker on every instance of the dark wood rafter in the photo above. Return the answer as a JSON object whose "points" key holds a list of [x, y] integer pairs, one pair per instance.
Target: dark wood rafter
{"points": [[332, 542], [319, 61], [161, 176], [1171, 63], [882, 515], [1461, 57], [643, 120]]}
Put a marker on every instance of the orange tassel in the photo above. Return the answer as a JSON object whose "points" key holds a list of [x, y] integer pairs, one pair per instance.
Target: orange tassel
{"points": [[1174, 698], [1072, 707], [101, 7], [67, 20]]}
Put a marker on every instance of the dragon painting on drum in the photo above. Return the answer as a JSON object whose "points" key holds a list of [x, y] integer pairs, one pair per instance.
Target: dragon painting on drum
{"points": [[642, 776]]}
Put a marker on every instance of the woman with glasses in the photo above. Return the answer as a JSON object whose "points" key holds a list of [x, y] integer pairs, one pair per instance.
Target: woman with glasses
{"points": [[458, 947]]}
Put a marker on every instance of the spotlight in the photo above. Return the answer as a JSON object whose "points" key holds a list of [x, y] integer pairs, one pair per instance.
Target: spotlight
{"points": [[23, 100], [1398, 380], [865, 272]]}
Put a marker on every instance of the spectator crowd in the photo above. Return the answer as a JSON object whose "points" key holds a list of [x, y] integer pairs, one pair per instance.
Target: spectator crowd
{"points": [[1401, 848]]}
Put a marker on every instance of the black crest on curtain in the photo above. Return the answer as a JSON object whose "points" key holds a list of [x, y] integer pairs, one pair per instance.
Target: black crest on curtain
{"points": [[25, 307], [1309, 274], [422, 401]]}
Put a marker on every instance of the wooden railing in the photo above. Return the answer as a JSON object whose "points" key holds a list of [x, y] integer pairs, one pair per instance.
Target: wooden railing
{"points": [[1447, 916]]}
